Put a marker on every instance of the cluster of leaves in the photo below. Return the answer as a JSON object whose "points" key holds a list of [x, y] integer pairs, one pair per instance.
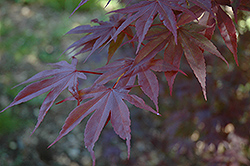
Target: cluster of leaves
{"points": [[163, 30]]}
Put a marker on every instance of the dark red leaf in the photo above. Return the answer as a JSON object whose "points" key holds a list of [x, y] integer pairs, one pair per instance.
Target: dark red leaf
{"points": [[209, 21], [113, 70], [149, 85], [104, 102], [147, 80], [151, 49], [228, 32], [244, 5], [79, 5], [204, 4], [186, 18], [202, 41], [195, 59], [64, 77], [144, 12], [96, 37], [172, 55]]}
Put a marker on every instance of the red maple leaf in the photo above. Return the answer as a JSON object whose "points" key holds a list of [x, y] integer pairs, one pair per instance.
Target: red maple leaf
{"points": [[172, 55], [235, 4], [204, 4], [79, 5], [97, 36], [193, 44], [104, 102], [147, 80], [176, 34], [66, 76], [144, 12], [224, 22], [228, 31], [225, 25]]}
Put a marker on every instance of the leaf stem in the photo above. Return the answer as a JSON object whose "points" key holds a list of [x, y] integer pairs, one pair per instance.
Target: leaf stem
{"points": [[90, 72], [118, 80]]}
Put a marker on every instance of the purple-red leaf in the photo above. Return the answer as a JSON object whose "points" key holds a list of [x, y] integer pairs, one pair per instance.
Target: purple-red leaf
{"points": [[96, 37], [144, 12], [149, 85], [244, 5], [151, 49], [113, 70], [79, 5], [105, 100], [185, 18], [195, 58], [172, 55], [209, 21], [204, 4], [64, 77], [228, 32], [204, 43]]}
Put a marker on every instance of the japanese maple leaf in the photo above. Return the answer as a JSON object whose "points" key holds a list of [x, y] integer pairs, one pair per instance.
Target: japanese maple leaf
{"points": [[225, 25], [172, 55], [228, 31], [147, 80], [65, 76], [104, 102], [209, 21], [224, 22], [191, 41], [185, 18], [96, 36], [79, 5], [242, 5], [82, 3], [144, 13], [235, 4], [204, 4], [193, 45]]}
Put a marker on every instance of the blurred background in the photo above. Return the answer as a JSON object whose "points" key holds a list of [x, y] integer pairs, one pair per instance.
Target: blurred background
{"points": [[191, 131]]}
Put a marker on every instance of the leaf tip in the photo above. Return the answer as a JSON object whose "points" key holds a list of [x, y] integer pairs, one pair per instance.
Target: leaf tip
{"points": [[204, 93], [236, 61], [158, 114], [90, 149], [33, 131], [4, 109], [128, 145], [52, 144]]}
